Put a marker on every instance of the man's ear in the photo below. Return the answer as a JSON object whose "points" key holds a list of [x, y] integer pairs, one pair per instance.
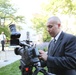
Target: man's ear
{"points": [[58, 25]]}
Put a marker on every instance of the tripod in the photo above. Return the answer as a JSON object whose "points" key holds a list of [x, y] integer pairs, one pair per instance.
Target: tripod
{"points": [[27, 70]]}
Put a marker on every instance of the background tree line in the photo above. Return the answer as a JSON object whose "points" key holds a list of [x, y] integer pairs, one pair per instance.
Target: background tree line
{"points": [[8, 16], [61, 8]]}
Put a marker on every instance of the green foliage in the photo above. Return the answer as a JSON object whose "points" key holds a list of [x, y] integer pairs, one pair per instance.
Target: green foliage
{"points": [[53, 7], [45, 49], [5, 29], [6, 7], [60, 7], [46, 36], [39, 24], [8, 16]]}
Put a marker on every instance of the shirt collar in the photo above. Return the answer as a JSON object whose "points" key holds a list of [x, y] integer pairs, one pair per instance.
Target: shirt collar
{"points": [[56, 38]]}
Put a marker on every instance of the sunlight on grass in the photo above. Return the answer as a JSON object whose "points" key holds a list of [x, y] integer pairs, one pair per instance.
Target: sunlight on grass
{"points": [[13, 69]]}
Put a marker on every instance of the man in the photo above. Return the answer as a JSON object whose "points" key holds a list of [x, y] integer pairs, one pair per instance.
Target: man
{"points": [[2, 38], [61, 56]]}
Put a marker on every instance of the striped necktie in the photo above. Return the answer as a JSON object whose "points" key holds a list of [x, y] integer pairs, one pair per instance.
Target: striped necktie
{"points": [[52, 46]]}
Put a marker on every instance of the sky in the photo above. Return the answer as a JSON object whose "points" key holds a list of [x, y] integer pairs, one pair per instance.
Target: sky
{"points": [[27, 8]]}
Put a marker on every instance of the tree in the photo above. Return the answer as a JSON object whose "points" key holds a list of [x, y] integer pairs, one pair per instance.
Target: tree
{"points": [[62, 8], [8, 16], [39, 24], [67, 7], [7, 13], [54, 7]]}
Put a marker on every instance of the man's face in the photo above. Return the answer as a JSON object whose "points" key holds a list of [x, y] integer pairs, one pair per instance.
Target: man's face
{"points": [[53, 28]]}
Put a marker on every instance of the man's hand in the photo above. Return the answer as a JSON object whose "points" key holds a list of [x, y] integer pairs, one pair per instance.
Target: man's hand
{"points": [[43, 55]]}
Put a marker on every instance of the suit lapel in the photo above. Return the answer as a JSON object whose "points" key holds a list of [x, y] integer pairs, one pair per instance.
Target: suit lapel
{"points": [[58, 43]]}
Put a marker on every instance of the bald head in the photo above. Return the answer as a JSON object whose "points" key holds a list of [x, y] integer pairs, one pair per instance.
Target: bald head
{"points": [[54, 19], [53, 26]]}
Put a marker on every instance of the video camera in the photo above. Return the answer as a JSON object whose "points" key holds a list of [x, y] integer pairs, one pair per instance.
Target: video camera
{"points": [[29, 53]]}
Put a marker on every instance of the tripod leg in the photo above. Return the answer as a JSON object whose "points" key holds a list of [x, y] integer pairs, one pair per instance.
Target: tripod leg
{"points": [[26, 70], [39, 69]]}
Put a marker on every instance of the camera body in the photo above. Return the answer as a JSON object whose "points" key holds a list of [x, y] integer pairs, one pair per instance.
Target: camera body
{"points": [[28, 51]]}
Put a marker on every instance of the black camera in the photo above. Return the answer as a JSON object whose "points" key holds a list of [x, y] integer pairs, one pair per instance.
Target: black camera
{"points": [[28, 51]]}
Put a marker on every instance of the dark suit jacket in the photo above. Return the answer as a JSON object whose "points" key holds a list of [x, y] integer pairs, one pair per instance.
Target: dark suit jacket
{"points": [[62, 60]]}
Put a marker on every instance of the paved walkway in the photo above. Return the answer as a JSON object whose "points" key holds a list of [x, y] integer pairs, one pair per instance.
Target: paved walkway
{"points": [[8, 56]]}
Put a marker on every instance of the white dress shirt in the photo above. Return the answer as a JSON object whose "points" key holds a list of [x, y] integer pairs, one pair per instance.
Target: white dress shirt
{"points": [[2, 37], [56, 38]]}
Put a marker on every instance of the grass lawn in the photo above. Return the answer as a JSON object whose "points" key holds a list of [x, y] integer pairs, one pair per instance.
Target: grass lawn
{"points": [[13, 69]]}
